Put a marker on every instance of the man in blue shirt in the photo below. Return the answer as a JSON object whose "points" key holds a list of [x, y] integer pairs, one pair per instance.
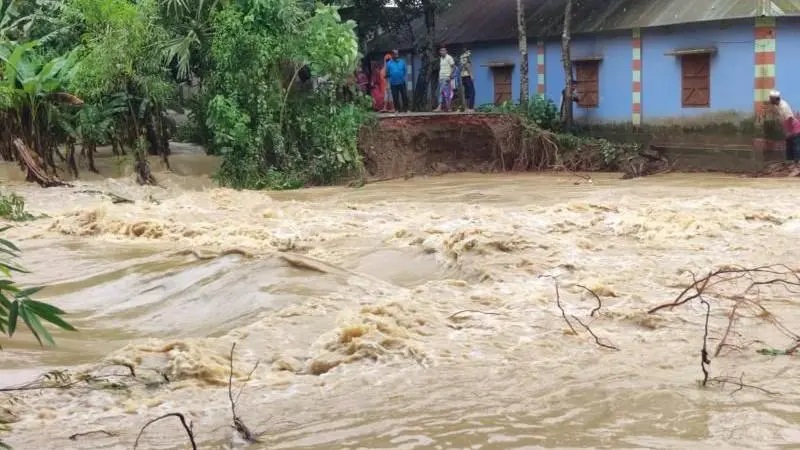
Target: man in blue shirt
{"points": [[396, 73]]}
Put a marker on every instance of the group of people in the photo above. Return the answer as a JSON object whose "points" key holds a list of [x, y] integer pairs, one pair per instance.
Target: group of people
{"points": [[387, 84], [452, 78]]}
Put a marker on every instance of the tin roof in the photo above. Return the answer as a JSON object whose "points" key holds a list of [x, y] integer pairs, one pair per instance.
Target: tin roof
{"points": [[473, 21]]}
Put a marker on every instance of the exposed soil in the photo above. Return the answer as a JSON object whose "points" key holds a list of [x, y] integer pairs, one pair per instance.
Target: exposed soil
{"points": [[433, 144]]}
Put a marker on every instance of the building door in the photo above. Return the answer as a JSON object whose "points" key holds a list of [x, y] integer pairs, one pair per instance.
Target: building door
{"points": [[696, 81], [502, 84]]}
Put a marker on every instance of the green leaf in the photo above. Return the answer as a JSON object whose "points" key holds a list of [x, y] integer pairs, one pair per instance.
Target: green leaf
{"points": [[12, 318], [8, 244], [49, 313], [28, 292], [4, 301], [36, 327]]}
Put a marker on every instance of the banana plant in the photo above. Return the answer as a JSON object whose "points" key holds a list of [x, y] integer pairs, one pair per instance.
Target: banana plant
{"points": [[35, 87]]}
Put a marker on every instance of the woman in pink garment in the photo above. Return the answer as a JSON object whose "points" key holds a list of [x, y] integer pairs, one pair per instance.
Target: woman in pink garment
{"points": [[377, 88], [791, 125]]}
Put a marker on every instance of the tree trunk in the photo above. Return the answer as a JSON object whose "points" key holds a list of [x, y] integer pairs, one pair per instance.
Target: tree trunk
{"points": [[523, 53], [422, 95], [566, 117], [141, 165], [89, 148], [71, 165]]}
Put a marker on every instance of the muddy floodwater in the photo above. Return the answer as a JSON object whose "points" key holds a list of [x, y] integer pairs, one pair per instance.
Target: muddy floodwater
{"points": [[413, 314]]}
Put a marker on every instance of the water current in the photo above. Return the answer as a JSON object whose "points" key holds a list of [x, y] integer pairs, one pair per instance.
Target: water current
{"points": [[412, 314]]}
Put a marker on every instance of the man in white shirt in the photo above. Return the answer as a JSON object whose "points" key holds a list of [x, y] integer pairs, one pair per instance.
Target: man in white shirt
{"points": [[790, 123], [447, 67]]}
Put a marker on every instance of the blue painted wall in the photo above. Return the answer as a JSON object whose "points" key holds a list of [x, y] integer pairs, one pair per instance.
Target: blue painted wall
{"points": [[614, 77], [787, 58], [732, 68]]}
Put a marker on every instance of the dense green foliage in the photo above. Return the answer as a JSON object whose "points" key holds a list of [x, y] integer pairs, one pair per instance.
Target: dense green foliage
{"points": [[82, 72], [539, 110], [267, 77], [272, 128]]}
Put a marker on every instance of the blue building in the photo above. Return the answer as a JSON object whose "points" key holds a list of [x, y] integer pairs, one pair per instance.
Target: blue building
{"points": [[640, 62]]}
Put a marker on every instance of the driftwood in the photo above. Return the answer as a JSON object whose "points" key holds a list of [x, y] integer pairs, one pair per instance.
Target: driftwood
{"points": [[34, 166]]}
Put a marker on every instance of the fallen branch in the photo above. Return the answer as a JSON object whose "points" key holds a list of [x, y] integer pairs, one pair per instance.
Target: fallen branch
{"points": [[114, 197], [59, 379], [596, 339], [75, 436], [740, 383], [729, 274], [187, 427], [597, 297], [585, 326], [238, 424], [561, 308], [731, 320], [34, 166], [704, 361], [750, 281], [451, 316]]}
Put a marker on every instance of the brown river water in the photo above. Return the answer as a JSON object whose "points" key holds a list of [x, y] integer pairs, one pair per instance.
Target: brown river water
{"points": [[346, 299]]}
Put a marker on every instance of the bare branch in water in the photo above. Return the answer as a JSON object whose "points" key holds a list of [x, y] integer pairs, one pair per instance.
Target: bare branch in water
{"points": [[731, 320], [238, 424], [597, 297], [187, 427], [739, 382], [704, 361], [451, 316], [750, 281], [596, 339], [561, 308], [585, 326], [75, 436]]}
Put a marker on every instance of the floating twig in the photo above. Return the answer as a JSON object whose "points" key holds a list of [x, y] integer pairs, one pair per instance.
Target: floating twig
{"points": [[238, 424], [451, 316], [561, 308], [596, 339], [75, 436], [597, 297], [186, 427], [740, 384], [704, 361]]}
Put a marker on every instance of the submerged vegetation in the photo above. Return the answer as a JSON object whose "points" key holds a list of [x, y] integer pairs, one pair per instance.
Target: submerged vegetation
{"points": [[266, 78], [12, 207]]}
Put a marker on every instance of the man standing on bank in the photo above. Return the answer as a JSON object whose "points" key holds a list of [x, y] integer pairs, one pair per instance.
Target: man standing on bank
{"points": [[466, 81], [396, 73], [446, 71], [791, 126]]}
